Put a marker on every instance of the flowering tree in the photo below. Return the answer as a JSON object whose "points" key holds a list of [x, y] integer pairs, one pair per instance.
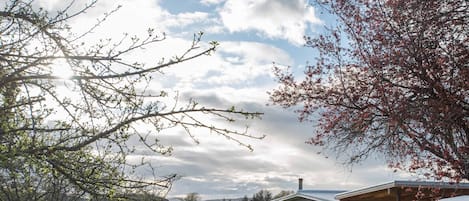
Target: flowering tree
{"points": [[392, 78], [69, 138]]}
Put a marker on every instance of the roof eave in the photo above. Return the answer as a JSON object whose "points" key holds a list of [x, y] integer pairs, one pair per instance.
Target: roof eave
{"points": [[398, 183], [364, 190], [299, 194]]}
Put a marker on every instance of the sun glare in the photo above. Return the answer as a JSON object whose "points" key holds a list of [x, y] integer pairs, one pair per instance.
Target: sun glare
{"points": [[61, 69]]}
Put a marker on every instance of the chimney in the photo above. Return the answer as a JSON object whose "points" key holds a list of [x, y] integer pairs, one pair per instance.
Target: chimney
{"points": [[300, 184]]}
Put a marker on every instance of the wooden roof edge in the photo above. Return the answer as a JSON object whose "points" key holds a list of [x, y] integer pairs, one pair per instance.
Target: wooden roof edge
{"points": [[401, 183]]}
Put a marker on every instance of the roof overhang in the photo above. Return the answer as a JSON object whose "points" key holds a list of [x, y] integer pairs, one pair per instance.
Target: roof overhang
{"points": [[458, 198], [396, 185], [296, 195], [309, 195]]}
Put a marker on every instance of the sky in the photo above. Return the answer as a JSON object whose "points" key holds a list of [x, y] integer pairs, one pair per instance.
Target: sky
{"points": [[252, 36]]}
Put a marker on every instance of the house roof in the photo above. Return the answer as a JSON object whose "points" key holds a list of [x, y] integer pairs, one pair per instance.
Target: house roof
{"points": [[458, 198], [316, 195], [393, 184]]}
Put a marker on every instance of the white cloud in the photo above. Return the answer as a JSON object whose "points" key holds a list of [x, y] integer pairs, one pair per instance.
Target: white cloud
{"points": [[215, 29], [134, 17], [273, 18], [211, 2], [244, 62], [255, 52], [234, 65], [184, 19]]}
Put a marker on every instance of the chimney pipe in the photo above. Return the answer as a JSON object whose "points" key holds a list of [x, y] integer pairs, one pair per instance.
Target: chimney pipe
{"points": [[300, 184]]}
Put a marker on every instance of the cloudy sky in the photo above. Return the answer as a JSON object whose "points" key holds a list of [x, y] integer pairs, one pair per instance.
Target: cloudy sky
{"points": [[252, 35]]}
